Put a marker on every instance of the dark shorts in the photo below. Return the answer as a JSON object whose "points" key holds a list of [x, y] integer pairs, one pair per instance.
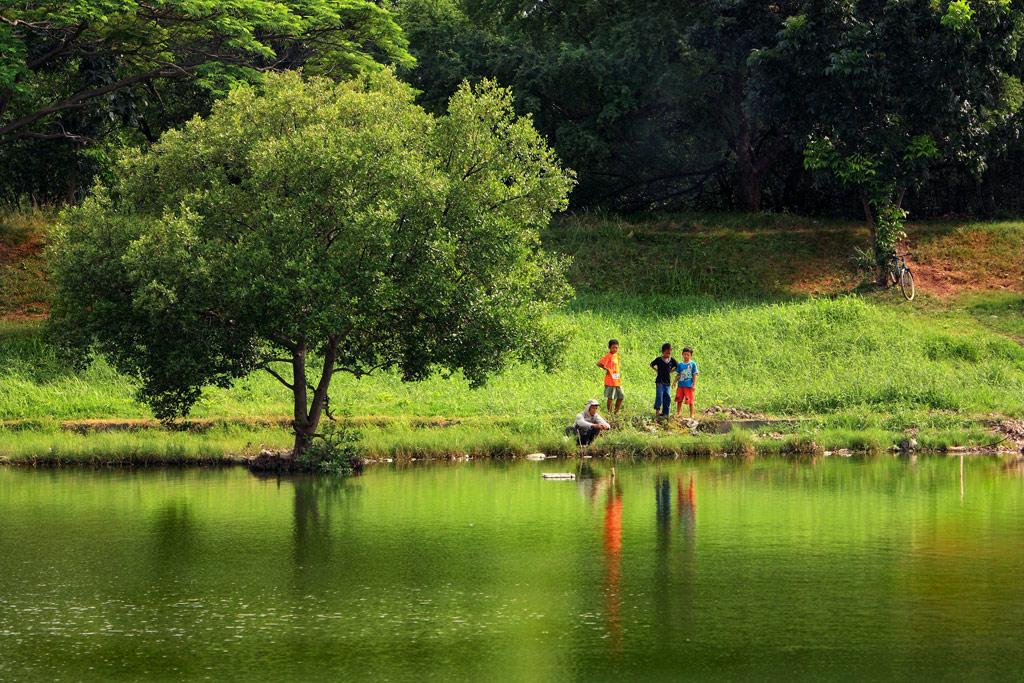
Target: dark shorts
{"points": [[583, 436], [684, 395], [613, 393]]}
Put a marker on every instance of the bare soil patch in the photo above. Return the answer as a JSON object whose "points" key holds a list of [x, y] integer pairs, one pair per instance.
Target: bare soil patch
{"points": [[1013, 430]]}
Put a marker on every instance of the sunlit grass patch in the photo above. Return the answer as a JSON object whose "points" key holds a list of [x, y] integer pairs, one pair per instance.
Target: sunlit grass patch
{"points": [[864, 370], [944, 440], [868, 440], [846, 362], [55, 446], [26, 216], [979, 249]]}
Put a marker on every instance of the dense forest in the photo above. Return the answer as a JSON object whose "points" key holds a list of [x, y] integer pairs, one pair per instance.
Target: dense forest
{"points": [[863, 108]]}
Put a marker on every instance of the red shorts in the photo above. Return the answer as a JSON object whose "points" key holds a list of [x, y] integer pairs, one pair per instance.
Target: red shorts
{"points": [[684, 395]]}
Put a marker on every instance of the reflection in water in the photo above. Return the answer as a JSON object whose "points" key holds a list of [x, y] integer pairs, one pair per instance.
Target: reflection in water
{"points": [[174, 538], [312, 539], [311, 532], [663, 569], [686, 509], [663, 507], [908, 459], [673, 567], [613, 563], [383, 576]]}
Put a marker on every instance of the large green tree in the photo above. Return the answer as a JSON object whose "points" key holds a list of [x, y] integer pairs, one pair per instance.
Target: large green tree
{"points": [[889, 88], [58, 59], [318, 229]]}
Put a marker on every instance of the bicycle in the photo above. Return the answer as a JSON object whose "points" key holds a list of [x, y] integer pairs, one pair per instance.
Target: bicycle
{"points": [[898, 272]]}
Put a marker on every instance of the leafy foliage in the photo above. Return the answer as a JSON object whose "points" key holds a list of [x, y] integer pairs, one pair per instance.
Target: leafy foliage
{"points": [[613, 86], [88, 71], [334, 450], [891, 88], [336, 221]]}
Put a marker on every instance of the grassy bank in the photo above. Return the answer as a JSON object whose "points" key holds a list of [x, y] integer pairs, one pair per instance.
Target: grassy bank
{"points": [[400, 441], [863, 369], [811, 357], [51, 445]]}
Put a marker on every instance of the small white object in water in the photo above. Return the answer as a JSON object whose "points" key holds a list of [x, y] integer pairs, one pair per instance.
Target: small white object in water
{"points": [[558, 475], [536, 456]]}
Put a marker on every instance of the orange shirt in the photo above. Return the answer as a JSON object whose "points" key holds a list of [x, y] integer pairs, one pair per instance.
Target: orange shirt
{"points": [[610, 363]]}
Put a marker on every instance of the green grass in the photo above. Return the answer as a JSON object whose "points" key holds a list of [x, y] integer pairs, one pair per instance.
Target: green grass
{"points": [[862, 368], [720, 255], [810, 357], [147, 447]]}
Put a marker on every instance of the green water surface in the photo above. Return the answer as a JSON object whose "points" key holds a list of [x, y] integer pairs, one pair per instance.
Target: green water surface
{"points": [[879, 569]]}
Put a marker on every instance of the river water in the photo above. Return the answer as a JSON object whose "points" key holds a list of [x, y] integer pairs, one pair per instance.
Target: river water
{"points": [[882, 569]]}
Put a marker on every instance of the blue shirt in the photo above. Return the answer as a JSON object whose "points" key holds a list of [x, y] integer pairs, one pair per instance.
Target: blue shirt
{"points": [[686, 372]]}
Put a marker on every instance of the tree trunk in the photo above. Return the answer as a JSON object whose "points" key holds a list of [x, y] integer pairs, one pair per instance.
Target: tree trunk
{"points": [[870, 216], [748, 186], [752, 166], [748, 180], [793, 178], [756, 151], [308, 413]]}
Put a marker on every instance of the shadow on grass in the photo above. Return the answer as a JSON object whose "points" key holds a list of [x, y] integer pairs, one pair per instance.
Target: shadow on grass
{"points": [[25, 352]]}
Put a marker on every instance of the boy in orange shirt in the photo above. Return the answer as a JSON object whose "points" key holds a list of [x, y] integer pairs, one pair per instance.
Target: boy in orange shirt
{"points": [[612, 378]]}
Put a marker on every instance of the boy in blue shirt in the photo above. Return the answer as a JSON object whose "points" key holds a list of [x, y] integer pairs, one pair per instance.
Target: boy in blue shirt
{"points": [[686, 379]]}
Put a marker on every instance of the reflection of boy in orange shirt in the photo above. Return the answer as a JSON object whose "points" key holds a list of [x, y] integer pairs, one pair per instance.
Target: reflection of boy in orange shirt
{"points": [[612, 378], [613, 563]]}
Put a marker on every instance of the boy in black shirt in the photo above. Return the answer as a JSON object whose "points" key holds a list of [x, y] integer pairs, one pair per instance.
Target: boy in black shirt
{"points": [[664, 365]]}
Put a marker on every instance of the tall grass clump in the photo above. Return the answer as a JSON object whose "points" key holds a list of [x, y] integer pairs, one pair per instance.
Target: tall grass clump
{"points": [[25, 216], [867, 440], [944, 440], [738, 442], [145, 447]]}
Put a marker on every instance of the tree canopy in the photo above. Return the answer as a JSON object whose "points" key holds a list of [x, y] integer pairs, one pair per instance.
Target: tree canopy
{"points": [[612, 85], [673, 105], [890, 88], [339, 226], [713, 102], [60, 58]]}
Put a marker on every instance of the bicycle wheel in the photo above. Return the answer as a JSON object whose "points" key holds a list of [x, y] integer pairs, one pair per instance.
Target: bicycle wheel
{"points": [[892, 274], [907, 284]]}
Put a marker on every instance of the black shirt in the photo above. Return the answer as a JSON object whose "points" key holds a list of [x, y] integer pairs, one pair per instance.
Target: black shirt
{"points": [[664, 369]]}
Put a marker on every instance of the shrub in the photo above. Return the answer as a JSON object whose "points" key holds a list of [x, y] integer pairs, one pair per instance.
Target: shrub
{"points": [[333, 451]]}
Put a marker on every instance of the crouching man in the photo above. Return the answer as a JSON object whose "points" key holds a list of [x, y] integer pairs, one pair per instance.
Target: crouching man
{"points": [[588, 424]]}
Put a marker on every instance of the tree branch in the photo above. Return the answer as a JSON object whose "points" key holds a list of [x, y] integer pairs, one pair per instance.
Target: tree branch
{"points": [[320, 393], [79, 99], [273, 373], [63, 47], [287, 344], [64, 135]]}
